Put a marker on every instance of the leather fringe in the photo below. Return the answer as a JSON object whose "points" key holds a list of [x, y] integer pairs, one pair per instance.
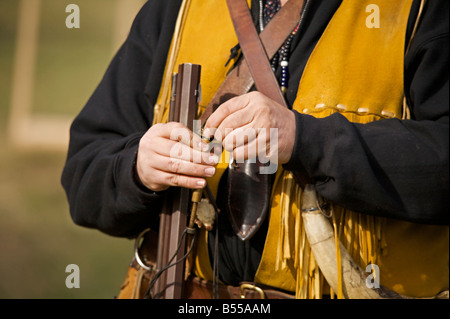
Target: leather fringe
{"points": [[360, 234]]}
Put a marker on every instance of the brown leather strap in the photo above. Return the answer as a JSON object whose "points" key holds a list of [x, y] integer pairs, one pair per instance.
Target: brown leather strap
{"points": [[197, 288], [253, 50], [240, 79]]}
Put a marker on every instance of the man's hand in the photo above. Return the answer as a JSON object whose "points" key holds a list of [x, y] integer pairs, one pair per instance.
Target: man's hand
{"points": [[243, 124], [171, 155]]}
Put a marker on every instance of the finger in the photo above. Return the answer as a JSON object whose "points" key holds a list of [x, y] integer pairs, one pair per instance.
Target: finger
{"points": [[180, 133], [179, 166], [223, 111], [260, 147], [245, 152], [239, 137], [240, 119], [169, 148], [177, 180]]}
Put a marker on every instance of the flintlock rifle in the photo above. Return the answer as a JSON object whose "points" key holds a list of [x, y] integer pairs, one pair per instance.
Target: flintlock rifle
{"points": [[174, 217]]}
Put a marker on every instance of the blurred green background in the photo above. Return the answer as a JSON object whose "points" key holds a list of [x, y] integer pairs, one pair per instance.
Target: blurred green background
{"points": [[37, 237]]}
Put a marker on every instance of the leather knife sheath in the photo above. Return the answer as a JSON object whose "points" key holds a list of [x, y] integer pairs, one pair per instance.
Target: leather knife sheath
{"points": [[248, 198]]}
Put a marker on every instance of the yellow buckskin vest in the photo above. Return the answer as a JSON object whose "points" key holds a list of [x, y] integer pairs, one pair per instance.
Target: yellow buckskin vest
{"points": [[354, 70]]}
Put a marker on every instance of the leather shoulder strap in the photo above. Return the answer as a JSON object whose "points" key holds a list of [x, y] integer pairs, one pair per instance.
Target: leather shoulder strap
{"points": [[253, 50], [262, 48]]}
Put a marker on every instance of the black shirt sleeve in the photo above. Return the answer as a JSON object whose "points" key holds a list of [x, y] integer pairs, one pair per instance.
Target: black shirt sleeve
{"points": [[394, 168], [98, 175]]}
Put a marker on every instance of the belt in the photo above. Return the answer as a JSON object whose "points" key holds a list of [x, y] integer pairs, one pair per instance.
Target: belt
{"points": [[197, 288], [138, 279], [142, 269]]}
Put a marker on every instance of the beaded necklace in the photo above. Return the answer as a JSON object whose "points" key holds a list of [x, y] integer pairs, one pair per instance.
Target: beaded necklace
{"points": [[282, 57]]}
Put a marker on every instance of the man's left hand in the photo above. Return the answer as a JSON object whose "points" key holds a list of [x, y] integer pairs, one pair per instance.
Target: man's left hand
{"points": [[243, 124]]}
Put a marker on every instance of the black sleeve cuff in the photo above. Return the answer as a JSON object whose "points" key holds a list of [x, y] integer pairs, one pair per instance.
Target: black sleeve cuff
{"points": [[295, 164]]}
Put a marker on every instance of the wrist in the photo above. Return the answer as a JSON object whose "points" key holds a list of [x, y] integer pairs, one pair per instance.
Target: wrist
{"points": [[136, 178], [286, 139]]}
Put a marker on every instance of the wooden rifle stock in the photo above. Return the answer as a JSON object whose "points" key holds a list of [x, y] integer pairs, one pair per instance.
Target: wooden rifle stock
{"points": [[174, 217]]}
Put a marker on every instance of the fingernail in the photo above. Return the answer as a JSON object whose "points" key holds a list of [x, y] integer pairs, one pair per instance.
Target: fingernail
{"points": [[214, 159], [210, 171], [207, 133], [201, 183], [203, 146]]}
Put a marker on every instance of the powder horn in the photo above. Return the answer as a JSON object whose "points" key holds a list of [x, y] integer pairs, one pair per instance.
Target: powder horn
{"points": [[320, 234]]}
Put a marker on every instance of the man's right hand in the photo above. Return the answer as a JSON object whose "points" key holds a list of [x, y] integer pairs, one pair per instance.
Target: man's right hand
{"points": [[172, 155]]}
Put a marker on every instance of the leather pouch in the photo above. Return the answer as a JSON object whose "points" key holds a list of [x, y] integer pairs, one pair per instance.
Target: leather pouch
{"points": [[248, 197]]}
